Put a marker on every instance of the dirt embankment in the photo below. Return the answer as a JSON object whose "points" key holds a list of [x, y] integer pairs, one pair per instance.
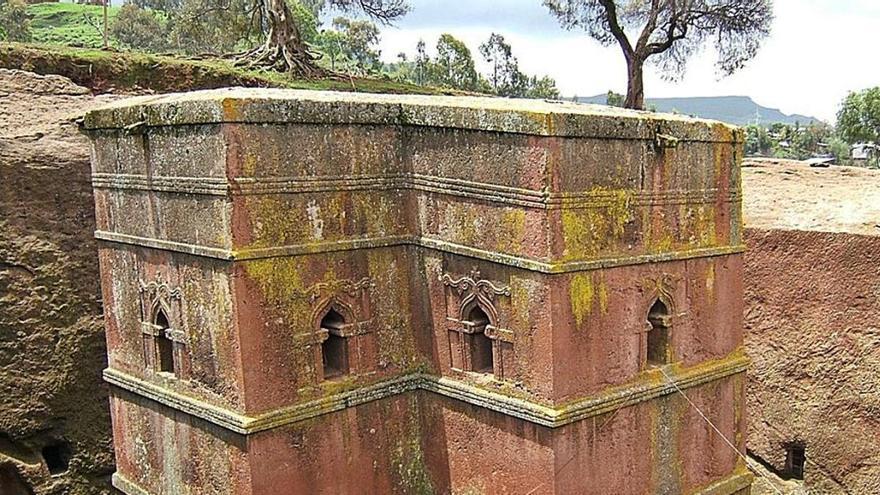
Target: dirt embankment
{"points": [[54, 419], [812, 289]]}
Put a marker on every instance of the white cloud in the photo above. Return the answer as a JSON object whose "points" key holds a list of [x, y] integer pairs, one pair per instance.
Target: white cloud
{"points": [[817, 52]]}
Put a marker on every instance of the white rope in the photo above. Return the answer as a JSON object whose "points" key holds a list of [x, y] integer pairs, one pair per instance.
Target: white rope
{"points": [[728, 442]]}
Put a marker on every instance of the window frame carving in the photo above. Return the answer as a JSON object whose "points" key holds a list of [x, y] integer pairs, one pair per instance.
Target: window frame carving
{"points": [[659, 289], [158, 296], [472, 292], [350, 299]]}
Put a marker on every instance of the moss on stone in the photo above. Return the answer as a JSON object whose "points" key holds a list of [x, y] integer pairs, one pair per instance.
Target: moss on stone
{"points": [[408, 457]]}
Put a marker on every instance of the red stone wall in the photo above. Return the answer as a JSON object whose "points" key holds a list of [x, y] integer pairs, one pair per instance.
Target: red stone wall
{"points": [[251, 218]]}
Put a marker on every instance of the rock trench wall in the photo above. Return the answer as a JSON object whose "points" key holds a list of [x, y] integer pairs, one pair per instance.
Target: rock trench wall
{"points": [[54, 416], [812, 302]]}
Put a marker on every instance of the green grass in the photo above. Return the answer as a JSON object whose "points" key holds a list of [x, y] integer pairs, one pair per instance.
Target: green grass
{"points": [[102, 69], [66, 43], [67, 24]]}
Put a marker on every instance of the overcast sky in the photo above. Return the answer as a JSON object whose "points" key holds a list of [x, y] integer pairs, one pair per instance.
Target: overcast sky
{"points": [[817, 52]]}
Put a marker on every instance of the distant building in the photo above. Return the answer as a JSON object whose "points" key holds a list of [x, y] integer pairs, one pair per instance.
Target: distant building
{"points": [[864, 151]]}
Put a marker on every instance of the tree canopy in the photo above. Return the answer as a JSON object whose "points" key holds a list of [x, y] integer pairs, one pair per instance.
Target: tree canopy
{"points": [[454, 66], [858, 120], [669, 32], [14, 21]]}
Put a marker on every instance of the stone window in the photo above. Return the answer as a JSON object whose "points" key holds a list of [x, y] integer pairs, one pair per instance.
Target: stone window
{"points": [[57, 457], [658, 334], [481, 345], [334, 349], [164, 345], [795, 459], [478, 340]]}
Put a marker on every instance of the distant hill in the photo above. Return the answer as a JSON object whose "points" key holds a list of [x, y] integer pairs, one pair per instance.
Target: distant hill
{"points": [[737, 110]]}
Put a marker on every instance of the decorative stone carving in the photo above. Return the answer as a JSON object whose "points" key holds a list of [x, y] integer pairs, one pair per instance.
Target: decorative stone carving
{"points": [[350, 300], [159, 289], [656, 332], [472, 292], [475, 286], [156, 297], [661, 287]]}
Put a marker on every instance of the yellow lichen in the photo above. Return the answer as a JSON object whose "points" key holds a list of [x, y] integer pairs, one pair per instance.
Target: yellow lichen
{"points": [[603, 295], [512, 228], [591, 231], [710, 282], [582, 295]]}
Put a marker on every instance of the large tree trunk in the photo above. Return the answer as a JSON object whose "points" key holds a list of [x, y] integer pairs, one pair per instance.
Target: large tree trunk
{"points": [[284, 49], [635, 89]]}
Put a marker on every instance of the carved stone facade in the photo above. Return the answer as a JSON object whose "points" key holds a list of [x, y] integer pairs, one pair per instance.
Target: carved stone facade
{"points": [[477, 344], [328, 293]]}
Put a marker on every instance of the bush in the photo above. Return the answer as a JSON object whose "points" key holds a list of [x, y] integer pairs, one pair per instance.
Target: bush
{"points": [[15, 23], [138, 29], [840, 150]]}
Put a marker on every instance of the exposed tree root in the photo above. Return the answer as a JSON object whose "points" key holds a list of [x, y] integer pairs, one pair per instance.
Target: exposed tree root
{"points": [[284, 49]]}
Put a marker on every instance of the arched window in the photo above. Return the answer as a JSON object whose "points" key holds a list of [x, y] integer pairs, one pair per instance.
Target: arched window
{"points": [[164, 345], [481, 346], [334, 352], [658, 335]]}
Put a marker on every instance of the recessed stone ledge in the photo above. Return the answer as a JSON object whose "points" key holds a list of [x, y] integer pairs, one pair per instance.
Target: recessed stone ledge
{"points": [[126, 486], [644, 388], [493, 193], [509, 115], [532, 264], [735, 484]]}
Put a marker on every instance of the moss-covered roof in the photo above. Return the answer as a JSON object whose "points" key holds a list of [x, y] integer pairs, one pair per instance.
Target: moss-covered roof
{"points": [[536, 117]]}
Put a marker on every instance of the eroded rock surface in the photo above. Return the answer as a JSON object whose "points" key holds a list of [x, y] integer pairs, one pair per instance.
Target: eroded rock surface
{"points": [[812, 291], [54, 418]]}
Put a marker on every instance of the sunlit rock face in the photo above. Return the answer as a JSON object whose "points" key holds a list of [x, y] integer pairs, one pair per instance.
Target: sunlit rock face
{"points": [[338, 293]]}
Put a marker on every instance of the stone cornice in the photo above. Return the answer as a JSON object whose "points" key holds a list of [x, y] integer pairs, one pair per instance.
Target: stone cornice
{"points": [[516, 116], [525, 263], [646, 387]]}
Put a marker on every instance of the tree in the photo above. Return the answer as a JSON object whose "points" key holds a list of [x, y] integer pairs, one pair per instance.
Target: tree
{"points": [[454, 66], [506, 78], [613, 99], [758, 141], [422, 63], [209, 26], [358, 39], [138, 28], [15, 23], [858, 120], [669, 32], [331, 43], [543, 87], [285, 48]]}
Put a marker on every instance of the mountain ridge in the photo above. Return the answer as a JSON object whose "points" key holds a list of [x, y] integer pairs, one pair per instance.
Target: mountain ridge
{"points": [[737, 110]]}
